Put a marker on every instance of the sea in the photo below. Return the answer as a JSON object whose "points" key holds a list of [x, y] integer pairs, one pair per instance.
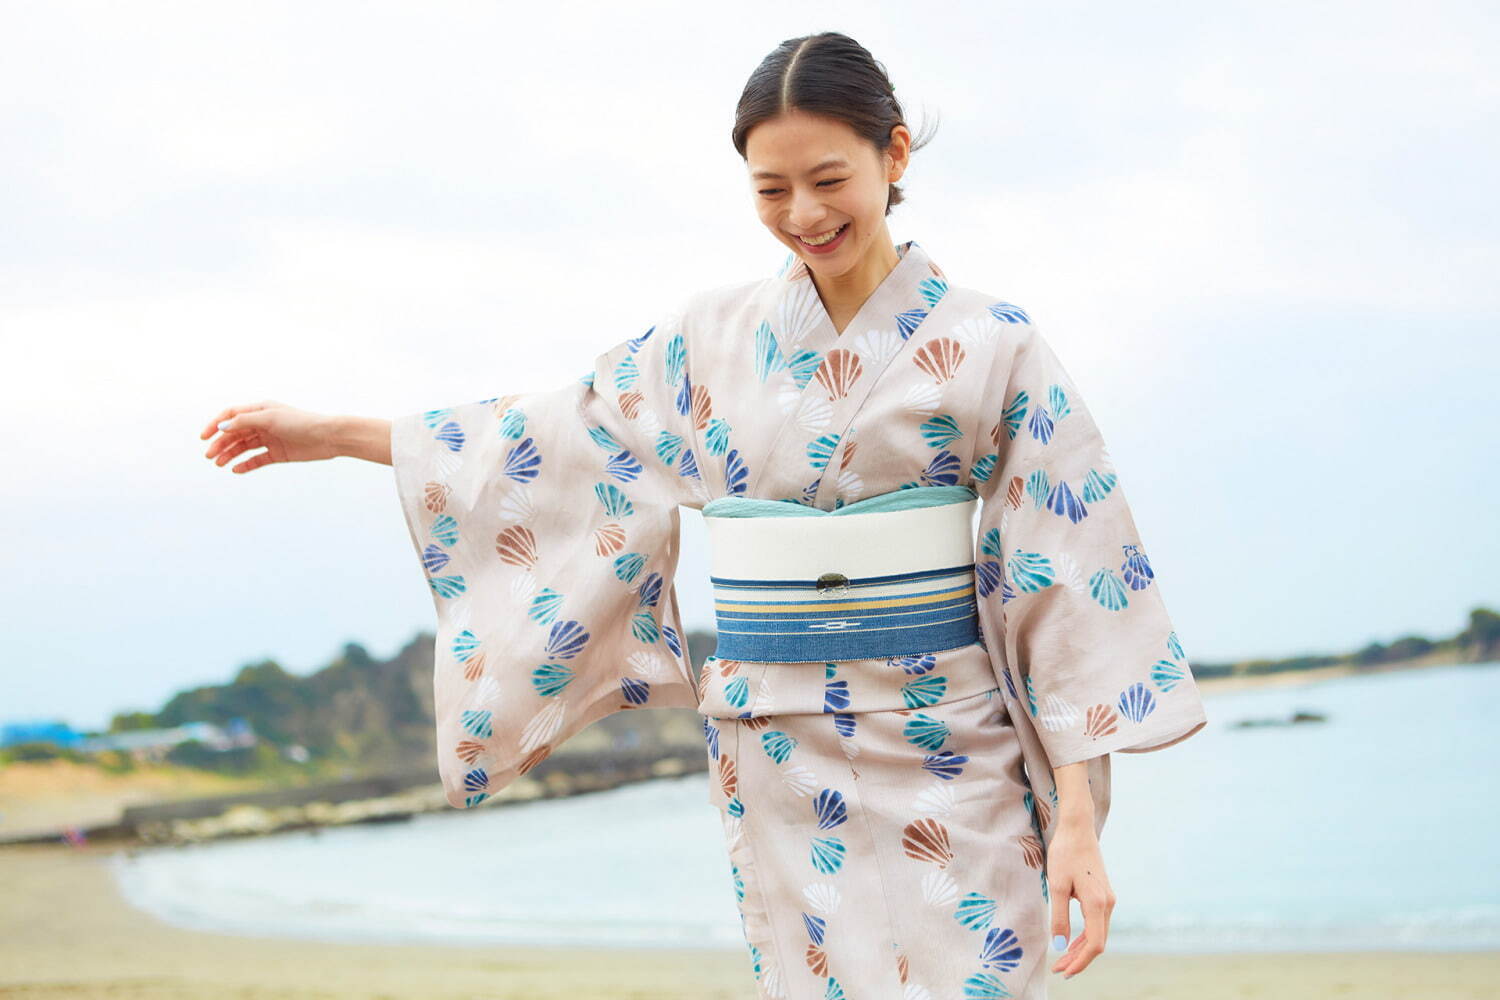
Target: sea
{"points": [[1373, 829]]}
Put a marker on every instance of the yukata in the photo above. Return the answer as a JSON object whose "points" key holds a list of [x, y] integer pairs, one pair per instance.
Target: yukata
{"points": [[887, 820]]}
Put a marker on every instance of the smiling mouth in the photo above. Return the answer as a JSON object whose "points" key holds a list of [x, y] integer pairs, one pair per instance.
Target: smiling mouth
{"points": [[827, 237]]}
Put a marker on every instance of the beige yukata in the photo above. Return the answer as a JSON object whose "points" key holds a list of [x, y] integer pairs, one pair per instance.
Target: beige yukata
{"points": [[887, 819]]}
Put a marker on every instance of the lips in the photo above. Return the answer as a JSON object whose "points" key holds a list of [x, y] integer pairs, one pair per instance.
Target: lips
{"points": [[838, 233]]}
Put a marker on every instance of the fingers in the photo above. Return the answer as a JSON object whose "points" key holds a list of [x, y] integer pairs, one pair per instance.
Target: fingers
{"points": [[231, 448], [1090, 943], [229, 413]]}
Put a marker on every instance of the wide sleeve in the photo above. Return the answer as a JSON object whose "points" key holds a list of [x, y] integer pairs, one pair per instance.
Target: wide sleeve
{"points": [[1063, 576], [546, 525]]}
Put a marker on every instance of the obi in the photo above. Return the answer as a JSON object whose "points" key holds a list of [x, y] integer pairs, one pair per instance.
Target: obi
{"points": [[891, 575]]}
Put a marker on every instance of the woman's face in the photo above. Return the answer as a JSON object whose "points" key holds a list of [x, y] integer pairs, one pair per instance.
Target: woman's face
{"points": [[811, 175]]}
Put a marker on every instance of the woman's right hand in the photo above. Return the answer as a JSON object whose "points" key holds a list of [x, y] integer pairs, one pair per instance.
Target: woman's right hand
{"points": [[287, 433]]}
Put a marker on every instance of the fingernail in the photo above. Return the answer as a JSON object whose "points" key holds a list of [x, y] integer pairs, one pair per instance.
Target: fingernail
{"points": [[223, 425], [1059, 942]]}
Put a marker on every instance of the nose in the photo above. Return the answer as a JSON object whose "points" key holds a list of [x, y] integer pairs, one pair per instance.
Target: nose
{"points": [[806, 212]]}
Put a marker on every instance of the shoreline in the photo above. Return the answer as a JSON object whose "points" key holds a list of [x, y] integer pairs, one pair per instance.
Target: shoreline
{"points": [[67, 932]]}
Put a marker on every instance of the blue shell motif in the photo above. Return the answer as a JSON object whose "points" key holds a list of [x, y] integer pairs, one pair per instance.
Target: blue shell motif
{"points": [[643, 626], [688, 467], [1058, 400], [545, 606], [476, 779], [716, 437], [438, 417], [925, 731], [924, 691], [1005, 312], [447, 586], [477, 722], [550, 678], [835, 696], [624, 466], [942, 470], [1136, 702], [669, 634], [984, 467], [989, 543], [803, 366], [737, 882], [1013, 413], [1002, 949], [613, 500], [945, 764], [1097, 485], [1064, 503], [668, 446], [828, 854], [451, 435], [1136, 568], [711, 738], [737, 692], [921, 664], [768, 356], [908, 321], [1107, 589], [464, 645], [777, 745], [567, 639], [844, 723], [815, 927], [932, 290], [988, 576], [635, 690], [523, 462], [675, 361], [941, 431], [736, 473], [1174, 645], [985, 986], [444, 529], [606, 441], [1038, 485], [975, 911], [649, 592], [1040, 424], [636, 343], [829, 808], [512, 424], [627, 373], [434, 558], [684, 399], [1167, 675], [820, 450], [1030, 696], [628, 564], [1031, 571]]}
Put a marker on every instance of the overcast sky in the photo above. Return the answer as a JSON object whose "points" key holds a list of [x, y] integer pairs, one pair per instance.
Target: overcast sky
{"points": [[1262, 238]]}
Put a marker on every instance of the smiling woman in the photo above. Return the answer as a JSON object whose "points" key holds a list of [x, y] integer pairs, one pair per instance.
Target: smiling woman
{"points": [[910, 728]]}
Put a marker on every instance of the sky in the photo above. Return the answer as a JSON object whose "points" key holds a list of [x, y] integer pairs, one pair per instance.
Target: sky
{"points": [[1262, 238]]}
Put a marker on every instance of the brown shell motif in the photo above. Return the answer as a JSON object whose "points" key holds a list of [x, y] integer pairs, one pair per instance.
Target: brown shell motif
{"points": [[630, 403], [469, 751], [609, 539], [703, 407], [840, 370], [728, 776], [940, 357], [435, 496], [474, 666], [817, 960], [996, 432], [1031, 850], [534, 758], [756, 722], [902, 967], [517, 546], [927, 840], [1102, 720], [1043, 811], [1015, 492], [702, 685], [847, 455]]}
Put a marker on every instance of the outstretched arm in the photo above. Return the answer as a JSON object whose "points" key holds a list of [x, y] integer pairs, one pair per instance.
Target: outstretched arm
{"points": [[291, 435]]}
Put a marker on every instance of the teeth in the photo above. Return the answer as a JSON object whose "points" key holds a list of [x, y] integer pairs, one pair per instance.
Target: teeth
{"points": [[820, 240]]}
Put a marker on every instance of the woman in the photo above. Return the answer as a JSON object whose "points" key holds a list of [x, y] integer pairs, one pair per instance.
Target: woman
{"points": [[910, 751]]}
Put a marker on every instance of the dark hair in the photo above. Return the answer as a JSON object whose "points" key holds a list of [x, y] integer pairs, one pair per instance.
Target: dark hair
{"points": [[824, 74]]}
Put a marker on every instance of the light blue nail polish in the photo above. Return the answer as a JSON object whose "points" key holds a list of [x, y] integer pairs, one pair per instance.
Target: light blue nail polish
{"points": [[1059, 942]]}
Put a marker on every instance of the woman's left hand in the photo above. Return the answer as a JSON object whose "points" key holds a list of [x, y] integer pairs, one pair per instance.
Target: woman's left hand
{"points": [[1075, 868]]}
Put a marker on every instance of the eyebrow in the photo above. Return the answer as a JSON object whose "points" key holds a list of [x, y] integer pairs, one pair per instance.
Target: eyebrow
{"points": [[761, 175]]}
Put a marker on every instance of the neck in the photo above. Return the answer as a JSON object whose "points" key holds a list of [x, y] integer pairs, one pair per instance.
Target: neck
{"points": [[843, 294]]}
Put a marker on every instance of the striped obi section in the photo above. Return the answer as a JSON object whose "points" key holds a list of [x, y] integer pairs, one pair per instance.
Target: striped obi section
{"points": [[844, 585]]}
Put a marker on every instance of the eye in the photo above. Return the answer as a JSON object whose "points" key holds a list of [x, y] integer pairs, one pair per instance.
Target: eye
{"points": [[771, 191], [839, 180]]}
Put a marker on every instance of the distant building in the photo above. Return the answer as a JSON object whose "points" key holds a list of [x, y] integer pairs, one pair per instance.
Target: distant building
{"points": [[51, 731]]}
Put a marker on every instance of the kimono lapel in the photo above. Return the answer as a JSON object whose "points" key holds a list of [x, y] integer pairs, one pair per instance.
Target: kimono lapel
{"points": [[834, 372]]}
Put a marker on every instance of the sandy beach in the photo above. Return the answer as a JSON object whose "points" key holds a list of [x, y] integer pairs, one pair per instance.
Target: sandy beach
{"points": [[67, 933]]}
